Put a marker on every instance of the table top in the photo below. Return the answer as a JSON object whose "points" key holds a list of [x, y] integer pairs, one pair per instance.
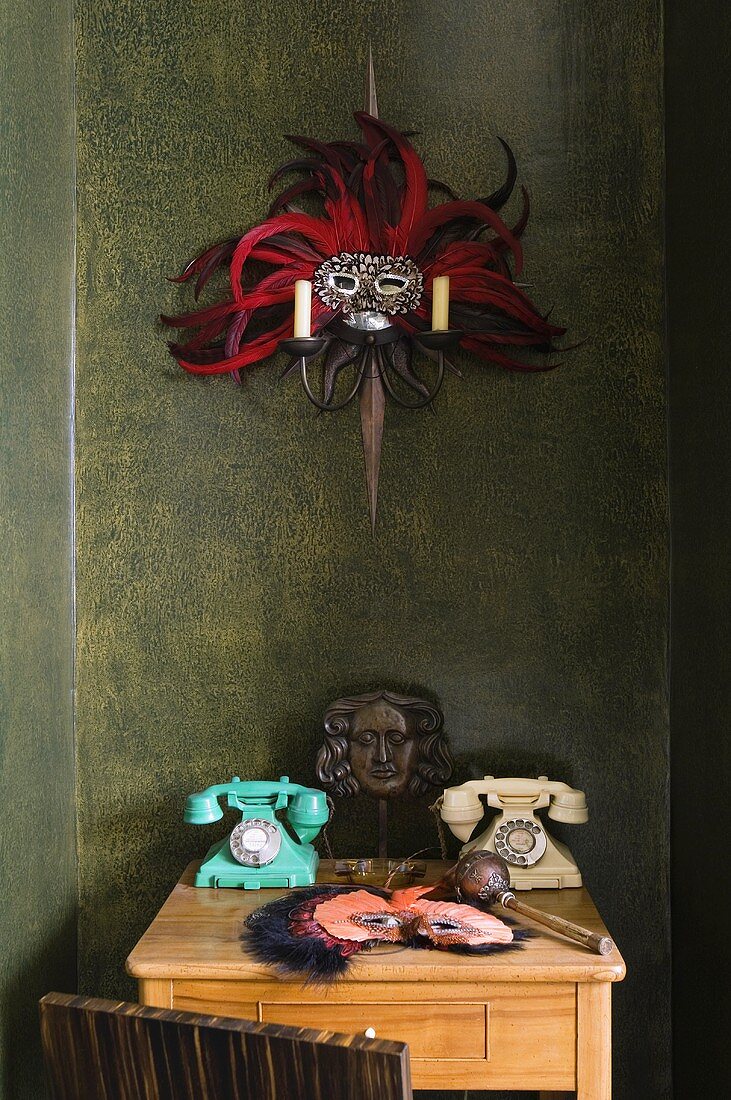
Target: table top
{"points": [[197, 934]]}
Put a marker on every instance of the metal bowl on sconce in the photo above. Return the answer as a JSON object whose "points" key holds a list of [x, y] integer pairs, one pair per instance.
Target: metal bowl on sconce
{"points": [[303, 347], [440, 339]]}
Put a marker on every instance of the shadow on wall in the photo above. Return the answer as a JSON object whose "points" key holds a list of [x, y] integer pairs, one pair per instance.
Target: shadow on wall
{"points": [[53, 968]]}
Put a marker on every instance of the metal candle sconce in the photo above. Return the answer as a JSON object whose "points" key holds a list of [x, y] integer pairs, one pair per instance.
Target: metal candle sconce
{"points": [[373, 359], [374, 341], [386, 267]]}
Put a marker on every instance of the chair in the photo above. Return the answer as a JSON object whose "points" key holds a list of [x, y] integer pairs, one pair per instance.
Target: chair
{"points": [[110, 1050]]}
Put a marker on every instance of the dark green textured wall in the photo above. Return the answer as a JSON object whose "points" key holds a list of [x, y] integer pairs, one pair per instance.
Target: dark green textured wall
{"points": [[698, 83], [228, 586], [37, 855]]}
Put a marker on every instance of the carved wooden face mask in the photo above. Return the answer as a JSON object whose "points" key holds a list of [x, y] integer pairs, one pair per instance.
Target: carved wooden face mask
{"points": [[383, 750], [383, 745]]}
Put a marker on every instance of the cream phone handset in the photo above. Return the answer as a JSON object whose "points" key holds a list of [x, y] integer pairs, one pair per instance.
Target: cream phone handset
{"points": [[516, 833]]}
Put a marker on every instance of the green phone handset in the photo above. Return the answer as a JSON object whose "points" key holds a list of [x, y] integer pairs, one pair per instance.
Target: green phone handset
{"points": [[267, 847]]}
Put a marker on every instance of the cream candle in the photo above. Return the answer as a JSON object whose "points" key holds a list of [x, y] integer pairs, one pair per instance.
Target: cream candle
{"points": [[302, 308], [440, 304]]}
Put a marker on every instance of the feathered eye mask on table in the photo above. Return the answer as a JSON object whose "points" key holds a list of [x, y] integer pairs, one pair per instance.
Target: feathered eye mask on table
{"points": [[316, 931], [377, 256]]}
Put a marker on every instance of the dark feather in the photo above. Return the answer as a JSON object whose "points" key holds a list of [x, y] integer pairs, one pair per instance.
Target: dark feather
{"points": [[415, 190], [329, 153], [267, 936], [236, 331], [218, 256], [198, 263], [299, 165], [498, 198], [294, 247], [292, 366], [300, 188], [437, 185], [473, 318]]}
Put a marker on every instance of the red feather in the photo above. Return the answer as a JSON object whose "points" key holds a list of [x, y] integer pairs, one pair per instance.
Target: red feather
{"points": [[416, 185], [199, 317], [316, 232], [260, 348], [449, 211], [374, 212], [365, 208]]}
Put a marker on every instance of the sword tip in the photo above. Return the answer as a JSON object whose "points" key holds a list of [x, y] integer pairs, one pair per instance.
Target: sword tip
{"points": [[371, 99]]}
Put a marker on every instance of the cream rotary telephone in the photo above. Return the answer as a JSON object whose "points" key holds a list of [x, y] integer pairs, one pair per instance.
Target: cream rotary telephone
{"points": [[535, 858]]}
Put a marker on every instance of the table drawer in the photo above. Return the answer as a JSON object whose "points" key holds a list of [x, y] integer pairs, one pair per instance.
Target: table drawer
{"points": [[491, 1035], [431, 1030]]}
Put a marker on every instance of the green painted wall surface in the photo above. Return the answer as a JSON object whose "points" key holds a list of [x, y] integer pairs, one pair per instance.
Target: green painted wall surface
{"points": [[228, 586], [698, 83], [37, 852]]}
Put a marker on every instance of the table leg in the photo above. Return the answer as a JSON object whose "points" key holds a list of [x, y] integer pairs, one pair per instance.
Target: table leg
{"points": [[155, 992], [594, 1041]]}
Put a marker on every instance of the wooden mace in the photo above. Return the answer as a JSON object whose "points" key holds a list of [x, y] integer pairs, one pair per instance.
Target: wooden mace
{"points": [[484, 876]]}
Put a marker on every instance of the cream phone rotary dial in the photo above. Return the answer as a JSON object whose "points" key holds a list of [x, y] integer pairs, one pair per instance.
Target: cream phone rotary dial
{"points": [[516, 833], [520, 841]]}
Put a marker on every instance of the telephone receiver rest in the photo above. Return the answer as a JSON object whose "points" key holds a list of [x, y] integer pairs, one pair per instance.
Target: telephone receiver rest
{"points": [[201, 809], [569, 807], [307, 813], [462, 809], [307, 809]]}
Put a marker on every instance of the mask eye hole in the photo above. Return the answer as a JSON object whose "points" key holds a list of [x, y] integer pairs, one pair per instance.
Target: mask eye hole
{"points": [[389, 284], [343, 283]]}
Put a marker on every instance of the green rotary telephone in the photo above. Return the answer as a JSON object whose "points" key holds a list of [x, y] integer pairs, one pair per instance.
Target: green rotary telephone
{"points": [[270, 846]]}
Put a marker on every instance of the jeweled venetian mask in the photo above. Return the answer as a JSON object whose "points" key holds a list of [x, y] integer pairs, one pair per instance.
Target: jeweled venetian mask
{"points": [[369, 289]]}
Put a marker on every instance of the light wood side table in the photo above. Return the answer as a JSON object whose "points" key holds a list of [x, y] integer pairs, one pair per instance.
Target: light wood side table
{"points": [[538, 1018]]}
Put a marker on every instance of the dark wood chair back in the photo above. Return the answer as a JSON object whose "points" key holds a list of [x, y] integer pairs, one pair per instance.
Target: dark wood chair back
{"points": [[110, 1050]]}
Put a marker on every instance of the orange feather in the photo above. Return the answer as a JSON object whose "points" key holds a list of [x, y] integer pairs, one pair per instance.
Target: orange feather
{"points": [[446, 922], [360, 916]]}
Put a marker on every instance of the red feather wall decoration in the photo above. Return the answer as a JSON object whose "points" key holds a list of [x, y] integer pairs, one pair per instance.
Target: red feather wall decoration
{"points": [[372, 250]]}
